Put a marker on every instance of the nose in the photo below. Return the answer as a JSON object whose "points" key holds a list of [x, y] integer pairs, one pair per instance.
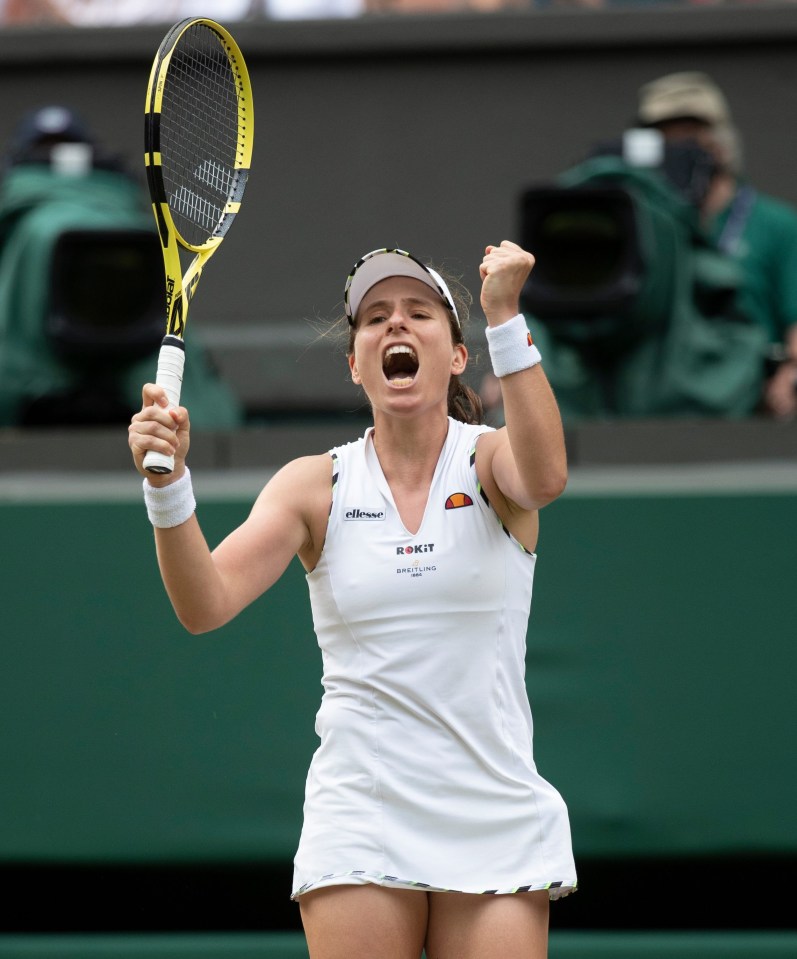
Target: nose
{"points": [[397, 320]]}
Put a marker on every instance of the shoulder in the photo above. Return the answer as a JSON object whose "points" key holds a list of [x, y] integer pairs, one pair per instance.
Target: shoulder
{"points": [[299, 496], [299, 481], [486, 439], [522, 524], [299, 486], [776, 209], [486, 447]]}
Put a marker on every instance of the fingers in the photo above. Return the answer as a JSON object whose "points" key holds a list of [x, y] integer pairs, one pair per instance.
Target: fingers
{"points": [[158, 428], [503, 271], [146, 433], [507, 255], [152, 394]]}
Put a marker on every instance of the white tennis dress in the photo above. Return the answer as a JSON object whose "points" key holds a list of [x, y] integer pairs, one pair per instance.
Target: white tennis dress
{"points": [[424, 777]]}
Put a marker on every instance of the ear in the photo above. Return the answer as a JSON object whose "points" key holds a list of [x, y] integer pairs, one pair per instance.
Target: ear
{"points": [[355, 375], [459, 360]]}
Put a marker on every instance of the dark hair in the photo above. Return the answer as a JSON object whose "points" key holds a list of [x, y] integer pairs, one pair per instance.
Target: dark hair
{"points": [[464, 403]]}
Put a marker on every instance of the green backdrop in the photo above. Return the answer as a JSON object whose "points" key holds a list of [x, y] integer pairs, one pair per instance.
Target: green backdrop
{"points": [[661, 670], [610, 945]]}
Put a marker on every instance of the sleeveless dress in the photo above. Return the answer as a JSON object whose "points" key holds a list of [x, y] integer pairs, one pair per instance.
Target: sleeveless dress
{"points": [[424, 777]]}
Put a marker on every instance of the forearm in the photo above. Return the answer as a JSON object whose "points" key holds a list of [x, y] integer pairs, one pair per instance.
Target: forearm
{"points": [[535, 433], [529, 463], [187, 568], [531, 469], [192, 581]]}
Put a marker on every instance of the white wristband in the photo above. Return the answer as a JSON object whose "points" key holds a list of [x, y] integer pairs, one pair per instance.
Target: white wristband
{"points": [[511, 348], [170, 505]]}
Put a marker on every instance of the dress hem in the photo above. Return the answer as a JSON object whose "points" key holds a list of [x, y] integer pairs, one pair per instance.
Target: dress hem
{"points": [[556, 890]]}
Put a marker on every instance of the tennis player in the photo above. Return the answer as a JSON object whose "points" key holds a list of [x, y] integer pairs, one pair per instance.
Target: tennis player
{"points": [[426, 822]]}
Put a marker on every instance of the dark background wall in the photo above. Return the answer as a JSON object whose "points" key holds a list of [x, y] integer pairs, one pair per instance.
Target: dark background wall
{"points": [[416, 131]]}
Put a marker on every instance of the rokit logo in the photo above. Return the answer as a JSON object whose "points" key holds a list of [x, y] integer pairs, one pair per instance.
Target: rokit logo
{"points": [[370, 515], [416, 568]]}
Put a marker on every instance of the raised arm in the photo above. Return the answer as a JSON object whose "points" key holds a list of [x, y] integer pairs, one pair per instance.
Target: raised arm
{"points": [[526, 460], [209, 588]]}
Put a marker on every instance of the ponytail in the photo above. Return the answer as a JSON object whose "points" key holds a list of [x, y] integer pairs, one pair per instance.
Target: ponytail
{"points": [[464, 403]]}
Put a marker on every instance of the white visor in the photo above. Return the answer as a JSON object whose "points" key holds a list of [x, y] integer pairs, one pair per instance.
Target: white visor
{"points": [[379, 265]]}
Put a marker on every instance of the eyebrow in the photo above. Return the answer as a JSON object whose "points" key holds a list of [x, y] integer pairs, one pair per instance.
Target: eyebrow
{"points": [[406, 301]]}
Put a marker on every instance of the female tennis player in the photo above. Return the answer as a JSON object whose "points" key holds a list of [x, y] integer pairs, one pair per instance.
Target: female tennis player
{"points": [[426, 822]]}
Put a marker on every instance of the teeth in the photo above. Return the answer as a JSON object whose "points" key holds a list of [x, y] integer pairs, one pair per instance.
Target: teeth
{"points": [[393, 350]]}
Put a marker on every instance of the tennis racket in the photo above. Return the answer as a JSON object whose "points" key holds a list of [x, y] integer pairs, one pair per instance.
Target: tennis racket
{"points": [[198, 130]]}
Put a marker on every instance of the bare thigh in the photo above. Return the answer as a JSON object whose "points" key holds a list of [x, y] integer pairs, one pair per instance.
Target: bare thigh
{"points": [[364, 922], [466, 926]]}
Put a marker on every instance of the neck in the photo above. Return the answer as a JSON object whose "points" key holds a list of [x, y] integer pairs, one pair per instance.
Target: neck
{"points": [[409, 448]]}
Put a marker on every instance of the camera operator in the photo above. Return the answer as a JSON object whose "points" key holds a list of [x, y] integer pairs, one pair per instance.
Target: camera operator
{"points": [[759, 231]]}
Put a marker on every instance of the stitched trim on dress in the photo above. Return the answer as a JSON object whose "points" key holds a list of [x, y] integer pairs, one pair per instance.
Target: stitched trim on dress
{"points": [[486, 499], [335, 474]]}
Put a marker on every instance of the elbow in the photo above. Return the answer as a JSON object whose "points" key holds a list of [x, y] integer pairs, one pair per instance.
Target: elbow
{"points": [[551, 487], [197, 625], [194, 628], [199, 614]]}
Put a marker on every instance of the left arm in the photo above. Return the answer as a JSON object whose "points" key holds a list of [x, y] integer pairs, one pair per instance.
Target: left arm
{"points": [[525, 461]]}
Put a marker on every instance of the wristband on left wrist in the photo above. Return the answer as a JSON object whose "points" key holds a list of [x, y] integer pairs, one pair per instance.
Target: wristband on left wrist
{"points": [[511, 347]]}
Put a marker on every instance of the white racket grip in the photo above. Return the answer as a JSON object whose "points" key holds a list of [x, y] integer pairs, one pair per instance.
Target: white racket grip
{"points": [[171, 362]]}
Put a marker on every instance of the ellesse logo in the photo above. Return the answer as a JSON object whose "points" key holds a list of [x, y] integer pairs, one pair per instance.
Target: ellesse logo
{"points": [[356, 513], [458, 500]]}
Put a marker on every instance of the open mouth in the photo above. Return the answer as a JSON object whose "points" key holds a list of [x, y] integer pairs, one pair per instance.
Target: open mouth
{"points": [[400, 365]]}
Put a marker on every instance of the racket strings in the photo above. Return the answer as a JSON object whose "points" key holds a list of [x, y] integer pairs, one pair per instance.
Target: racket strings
{"points": [[199, 133]]}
